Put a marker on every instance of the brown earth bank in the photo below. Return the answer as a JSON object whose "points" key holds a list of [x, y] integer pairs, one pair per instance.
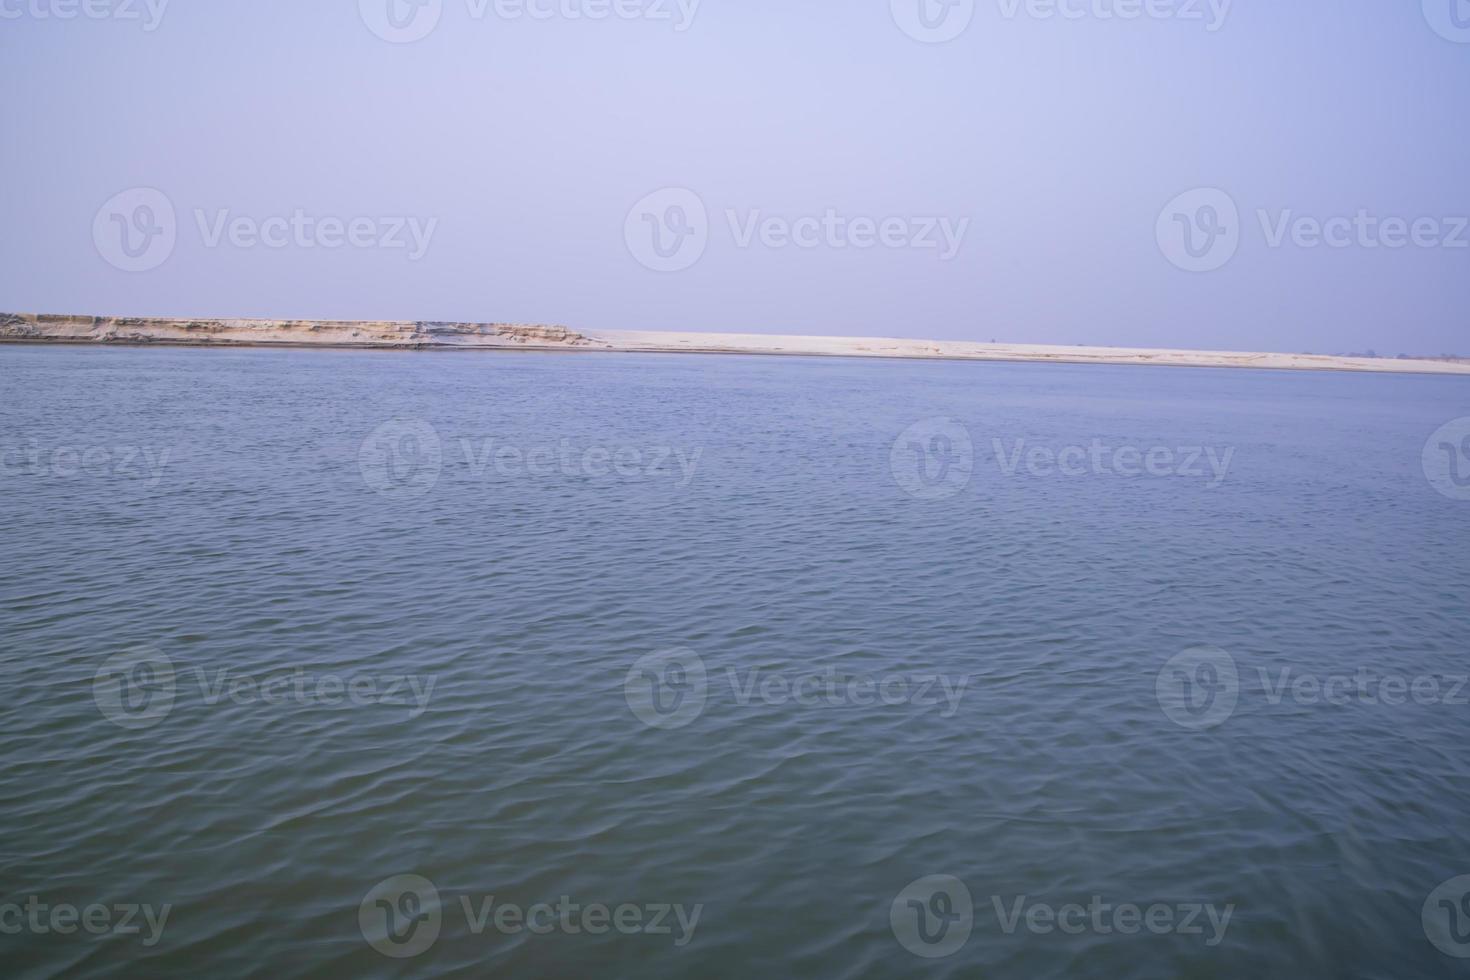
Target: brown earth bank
{"points": [[324, 333]]}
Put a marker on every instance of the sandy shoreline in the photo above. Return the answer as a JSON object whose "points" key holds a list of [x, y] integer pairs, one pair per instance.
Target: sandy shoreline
{"points": [[435, 335]]}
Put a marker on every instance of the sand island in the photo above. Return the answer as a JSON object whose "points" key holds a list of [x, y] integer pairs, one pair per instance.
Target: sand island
{"points": [[438, 335]]}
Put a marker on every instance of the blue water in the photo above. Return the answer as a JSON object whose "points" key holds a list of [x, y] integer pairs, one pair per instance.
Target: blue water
{"points": [[655, 678]]}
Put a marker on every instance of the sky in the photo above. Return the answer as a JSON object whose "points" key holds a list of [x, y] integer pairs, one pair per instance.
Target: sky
{"points": [[1225, 174]]}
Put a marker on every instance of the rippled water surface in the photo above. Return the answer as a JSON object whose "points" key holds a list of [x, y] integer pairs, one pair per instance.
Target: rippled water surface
{"points": [[754, 639]]}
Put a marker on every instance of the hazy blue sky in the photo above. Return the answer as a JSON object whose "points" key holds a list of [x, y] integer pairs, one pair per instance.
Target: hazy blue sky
{"points": [[519, 146]]}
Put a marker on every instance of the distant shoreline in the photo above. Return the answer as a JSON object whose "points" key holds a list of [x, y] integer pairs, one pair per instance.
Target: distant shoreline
{"points": [[444, 336]]}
